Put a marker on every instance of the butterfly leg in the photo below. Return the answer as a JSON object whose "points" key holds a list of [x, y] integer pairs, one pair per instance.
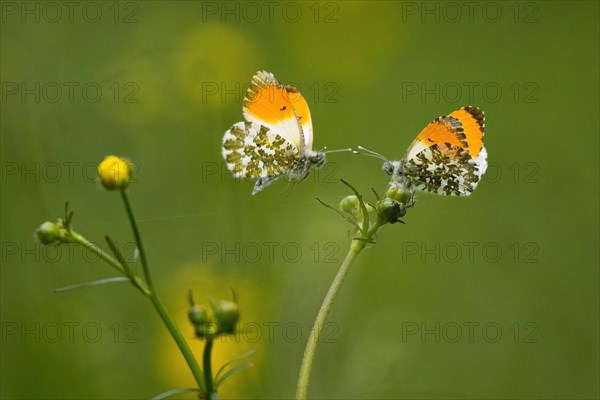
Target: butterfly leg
{"points": [[263, 182]]}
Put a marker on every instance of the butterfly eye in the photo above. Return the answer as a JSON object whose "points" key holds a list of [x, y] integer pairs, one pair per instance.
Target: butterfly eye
{"points": [[318, 160], [388, 168]]}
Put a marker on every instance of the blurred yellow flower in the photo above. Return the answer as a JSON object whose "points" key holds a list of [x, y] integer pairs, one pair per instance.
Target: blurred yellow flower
{"points": [[115, 172]]}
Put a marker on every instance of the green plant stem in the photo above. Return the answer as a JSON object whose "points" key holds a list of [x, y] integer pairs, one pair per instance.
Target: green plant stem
{"points": [[356, 247], [77, 238], [158, 305], [113, 262], [208, 378], [179, 339], [138, 240]]}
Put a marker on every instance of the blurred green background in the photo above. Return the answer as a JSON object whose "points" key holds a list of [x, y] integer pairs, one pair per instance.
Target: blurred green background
{"points": [[492, 296]]}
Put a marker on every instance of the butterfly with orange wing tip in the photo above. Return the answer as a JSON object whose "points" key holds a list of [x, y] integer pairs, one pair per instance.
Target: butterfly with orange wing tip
{"points": [[446, 158], [276, 138]]}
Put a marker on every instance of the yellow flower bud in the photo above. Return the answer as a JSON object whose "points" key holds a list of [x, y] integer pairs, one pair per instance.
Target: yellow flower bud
{"points": [[115, 173]]}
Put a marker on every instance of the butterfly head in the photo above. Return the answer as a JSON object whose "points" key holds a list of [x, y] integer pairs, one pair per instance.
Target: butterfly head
{"points": [[311, 160], [391, 167], [316, 159]]}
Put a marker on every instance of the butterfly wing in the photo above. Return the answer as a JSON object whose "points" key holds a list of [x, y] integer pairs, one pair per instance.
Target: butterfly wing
{"points": [[254, 151], [448, 156], [281, 108], [445, 169], [472, 120]]}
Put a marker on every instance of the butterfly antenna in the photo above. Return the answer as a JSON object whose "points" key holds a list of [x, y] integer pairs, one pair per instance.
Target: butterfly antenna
{"points": [[370, 153], [324, 150]]}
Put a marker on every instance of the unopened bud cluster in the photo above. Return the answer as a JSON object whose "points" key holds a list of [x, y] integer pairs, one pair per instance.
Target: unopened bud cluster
{"points": [[400, 193], [387, 210], [398, 197], [390, 211], [224, 319]]}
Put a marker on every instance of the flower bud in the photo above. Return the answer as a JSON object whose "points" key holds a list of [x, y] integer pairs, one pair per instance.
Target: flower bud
{"points": [[208, 329], [349, 205], [115, 172], [198, 315], [47, 233], [369, 208], [199, 318], [399, 193], [390, 211], [227, 315], [52, 233]]}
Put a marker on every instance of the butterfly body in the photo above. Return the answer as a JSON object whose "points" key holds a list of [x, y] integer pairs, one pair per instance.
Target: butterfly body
{"points": [[297, 172], [276, 138], [446, 158]]}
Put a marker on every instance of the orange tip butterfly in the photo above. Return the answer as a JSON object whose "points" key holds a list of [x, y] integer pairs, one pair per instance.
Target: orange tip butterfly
{"points": [[276, 138]]}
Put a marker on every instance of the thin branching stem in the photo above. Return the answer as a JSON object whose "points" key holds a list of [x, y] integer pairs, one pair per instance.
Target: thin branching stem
{"points": [[158, 305], [138, 240], [208, 377], [357, 245], [77, 238]]}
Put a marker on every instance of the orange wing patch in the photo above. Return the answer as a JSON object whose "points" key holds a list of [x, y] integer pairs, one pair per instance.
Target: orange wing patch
{"points": [[272, 102], [447, 157], [473, 122], [278, 107], [441, 131], [300, 105]]}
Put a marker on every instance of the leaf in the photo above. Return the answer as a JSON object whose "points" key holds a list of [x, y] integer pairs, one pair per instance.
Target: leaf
{"points": [[92, 283], [363, 207], [346, 218], [68, 217], [174, 392], [211, 302], [231, 372], [238, 358], [191, 297], [119, 256], [376, 194]]}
